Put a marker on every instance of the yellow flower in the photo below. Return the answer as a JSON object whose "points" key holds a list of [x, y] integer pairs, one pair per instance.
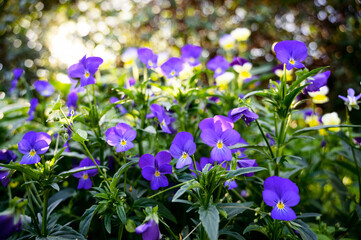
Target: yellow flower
{"points": [[241, 34], [331, 119], [319, 97]]}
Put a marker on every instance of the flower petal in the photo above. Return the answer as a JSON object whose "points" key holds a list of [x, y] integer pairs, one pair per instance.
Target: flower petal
{"points": [[147, 160], [148, 173], [221, 154], [285, 214], [158, 182]]}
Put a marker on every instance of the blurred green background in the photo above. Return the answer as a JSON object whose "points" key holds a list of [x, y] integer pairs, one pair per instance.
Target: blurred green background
{"points": [[46, 37]]}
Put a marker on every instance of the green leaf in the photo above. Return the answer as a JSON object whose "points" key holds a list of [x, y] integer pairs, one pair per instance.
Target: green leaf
{"points": [[210, 221], [130, 226], [55, 186], [59, 232], [254, 227], [308, 129], [150, 129], [304, 77], [307, 215], [241, 171], [80, 136], [121, 214], [303, 229], [75, 170], [234, 235], [26, 169], [181, 191], [117, 175], [58, 153], [86, 219], [110, 106], [144, 202], [108, 223], [233, 209]]}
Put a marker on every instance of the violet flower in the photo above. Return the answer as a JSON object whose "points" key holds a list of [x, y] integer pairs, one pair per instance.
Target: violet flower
{"points": [[172, 67], [17, 72], [131, 82], [219, 65], [149, 230], [190, 54], [220, 140], [164, 120], [33, 105], [121, 136], [155, 168], [351, 101], [72, 102], [85, 70], [357, 140], [225, 122], [317, 81], [281, 194], [230, 184], [84, 176], [8, 226], [244, 113], [148, 58], [33, 144], [182, 148], [44, 88], [245, 163], [6, 156], [120, 107], [291, 53]]}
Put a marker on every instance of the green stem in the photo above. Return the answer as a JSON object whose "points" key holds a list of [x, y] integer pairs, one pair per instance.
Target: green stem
{"points": [[238, 195], [265, 138], [354, 155], [45, 213], [168, 189], [96, 164], [195, 165], [120, 233], [125, 173], [9, 192]]}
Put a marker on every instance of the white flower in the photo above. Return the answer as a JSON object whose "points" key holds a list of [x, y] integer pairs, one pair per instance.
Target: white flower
{"points": [[129, 56], [320, 97], [331, 119], [227, 42], [241, 34], [224, 79]]}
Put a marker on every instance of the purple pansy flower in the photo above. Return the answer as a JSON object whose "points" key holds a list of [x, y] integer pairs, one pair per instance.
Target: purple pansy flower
{"points": [[291, 53], [154, 168], [148, 58], [149, 230], [72, 102], [33, 104], [6, 156], [230, 184], [357, 140], [200, 165], [351, 101], [84, 176], [121, 136], [271, 140], [8, 226], [238, 61], [190, 54], [120, 107], [317, 81], [219, 65], [17, 72], [172, 67], [182, 148], [225, 122], [44, 88], [130, 83], [164, 120], [32, 145], [220, 140], [244, 113], [85, 70], [281, 194], [245, 163], [240, 151]]}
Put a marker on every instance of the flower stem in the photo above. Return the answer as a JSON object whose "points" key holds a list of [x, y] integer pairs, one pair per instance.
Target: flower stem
{"points": [[45, 213], [175, 186], [354, 155], [125, 173]]}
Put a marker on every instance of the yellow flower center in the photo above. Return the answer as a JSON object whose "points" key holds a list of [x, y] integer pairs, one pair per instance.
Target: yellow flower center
{"points": [[157, 173], [163, 123], [185, 155], [219, 145], [218, 70], [85, 176], [191, 60], [150, 63], [172, 73], [87, 74], [319, 99], [238, 153], [280, 205], [32, 153], [123, 142], [246, 74], [292, 61]]}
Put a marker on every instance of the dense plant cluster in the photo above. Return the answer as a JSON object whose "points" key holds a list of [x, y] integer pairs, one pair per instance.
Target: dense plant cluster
{"points": [[183, 147]]}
